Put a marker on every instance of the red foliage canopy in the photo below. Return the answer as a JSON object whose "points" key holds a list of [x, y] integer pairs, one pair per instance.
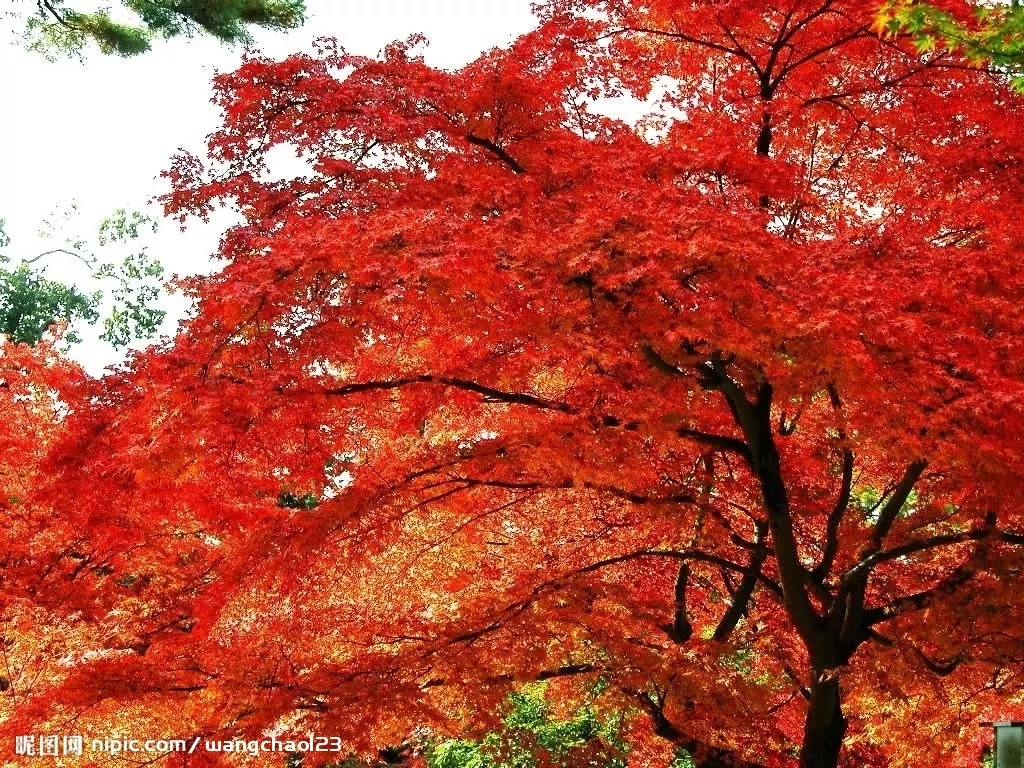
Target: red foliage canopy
{"points": [[724, 407]]}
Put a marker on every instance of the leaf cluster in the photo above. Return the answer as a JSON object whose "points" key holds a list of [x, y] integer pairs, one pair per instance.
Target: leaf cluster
{"points": [[131, 288], [993, 37], [55, 28]]}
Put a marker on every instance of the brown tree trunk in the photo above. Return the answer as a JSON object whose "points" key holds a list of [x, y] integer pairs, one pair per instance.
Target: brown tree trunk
{"points": [[825, 726]]}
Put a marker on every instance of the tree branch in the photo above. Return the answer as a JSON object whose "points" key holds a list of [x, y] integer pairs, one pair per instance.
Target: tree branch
{"points": [[815, 53], [636, 498], [895, 503], [835, 519], [745, 591], [681, 630], [919, 600], [704, 755], [567, 670], [921, 545], [47, 7], [496, 150], [754, 420], [490, 394], [721, 442], [676, 36], [689, 554]]}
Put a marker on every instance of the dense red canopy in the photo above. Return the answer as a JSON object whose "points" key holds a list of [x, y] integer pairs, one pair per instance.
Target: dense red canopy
{"points": [[724, 407]]}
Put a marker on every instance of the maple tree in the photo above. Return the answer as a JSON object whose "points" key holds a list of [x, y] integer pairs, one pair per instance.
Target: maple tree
{"points": [[723, 409]]}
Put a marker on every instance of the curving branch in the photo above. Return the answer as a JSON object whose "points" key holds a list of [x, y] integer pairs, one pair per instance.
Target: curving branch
{"points": [[745, 590], [835, 519], [47, 7], [948, 585], [909, 603], [719, 442], [490, 394], [497, 150], [621, 493], [899, 497], [922, 545], [705, 755], [753, 417], [682, 37], [681, 629], [683, 555]]}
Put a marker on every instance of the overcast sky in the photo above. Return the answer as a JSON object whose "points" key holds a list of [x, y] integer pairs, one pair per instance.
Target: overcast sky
{"points": [[99, 133]]}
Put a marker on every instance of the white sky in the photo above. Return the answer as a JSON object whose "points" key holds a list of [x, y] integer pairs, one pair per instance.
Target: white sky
{"points": [[98, 134]]}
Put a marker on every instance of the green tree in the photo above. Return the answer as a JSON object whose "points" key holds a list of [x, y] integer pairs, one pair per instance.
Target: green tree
{"points": [[993, 37], [53, 27], [533, 735], [125, 288]]}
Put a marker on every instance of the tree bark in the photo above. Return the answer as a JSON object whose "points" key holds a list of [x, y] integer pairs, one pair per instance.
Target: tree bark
{"points": [[825, 726]]}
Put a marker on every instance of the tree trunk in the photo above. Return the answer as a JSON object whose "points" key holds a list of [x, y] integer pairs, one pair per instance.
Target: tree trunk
{"points": [[825, 726]]}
